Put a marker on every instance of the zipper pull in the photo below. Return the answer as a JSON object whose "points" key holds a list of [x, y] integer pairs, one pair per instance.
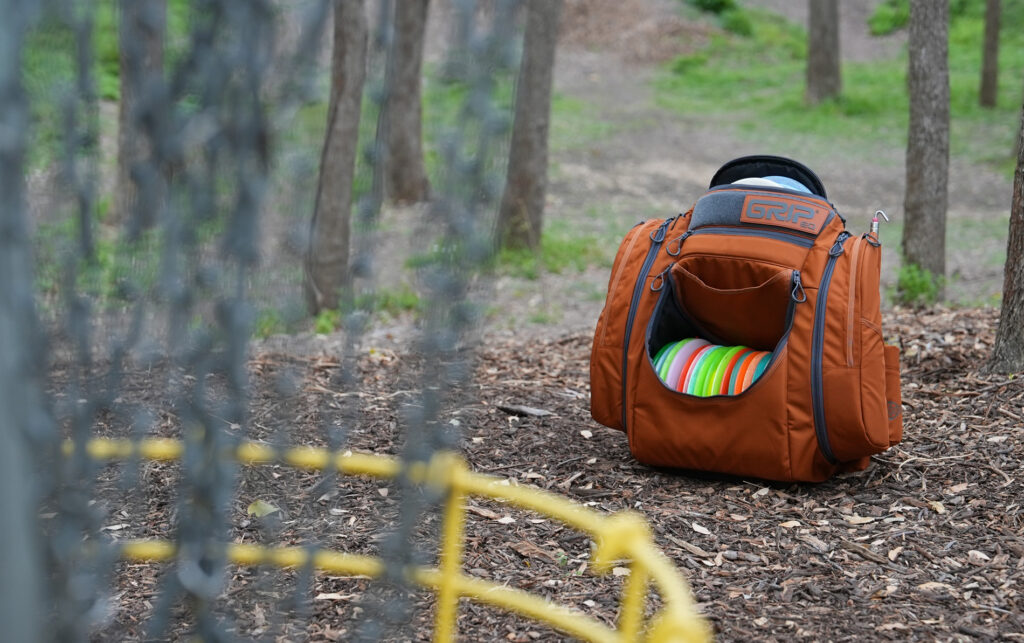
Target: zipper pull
{"points": [[659, 279], [798, 293], [675, 246], [837, 247], [657, 236]]}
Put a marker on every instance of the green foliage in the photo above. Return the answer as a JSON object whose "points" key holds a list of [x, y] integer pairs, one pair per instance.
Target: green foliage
{"points": [[893, 15], [714, 6], [917, 287], [386, 301], [889, 16], [755, 85], [326, 321], [269, 321], [738, 22]]}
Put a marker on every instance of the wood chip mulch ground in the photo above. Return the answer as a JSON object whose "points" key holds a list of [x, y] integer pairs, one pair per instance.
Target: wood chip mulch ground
{"points": [[926, 544]]}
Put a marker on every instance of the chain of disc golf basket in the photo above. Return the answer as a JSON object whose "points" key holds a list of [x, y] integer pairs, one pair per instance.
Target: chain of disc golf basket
{"points": [[462, 208], [207, 130]]}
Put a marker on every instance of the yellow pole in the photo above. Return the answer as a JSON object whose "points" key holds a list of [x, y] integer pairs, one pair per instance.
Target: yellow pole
{"points": [[451, 549], [631, 610]]}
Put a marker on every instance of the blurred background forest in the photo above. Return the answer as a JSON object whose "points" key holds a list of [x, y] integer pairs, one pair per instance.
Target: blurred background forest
{"points": [[649, 97]]}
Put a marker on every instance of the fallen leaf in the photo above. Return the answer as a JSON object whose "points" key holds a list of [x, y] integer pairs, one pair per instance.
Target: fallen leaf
{"points": [[620, 571], [937, 506], [483, 511], [506, 520], [816, 543], [858, 520], [790, 524], [894, 553], [700, 529], [693, 549], [518, 409], [333, 596], [884, 627], [261, 508], [957, 488], [977, 557], [934, 586], [526, 549]]}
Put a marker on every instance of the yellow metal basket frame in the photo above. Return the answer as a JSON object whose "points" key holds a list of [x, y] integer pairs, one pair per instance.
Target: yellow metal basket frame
{"points": [[621, 536]]}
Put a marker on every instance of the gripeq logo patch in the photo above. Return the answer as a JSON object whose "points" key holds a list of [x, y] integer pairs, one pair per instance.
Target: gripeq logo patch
{"points": [[784, 212]]}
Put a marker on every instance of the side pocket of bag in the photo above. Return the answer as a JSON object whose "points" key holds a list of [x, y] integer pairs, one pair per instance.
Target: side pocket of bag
{"points": [[854, 372], [893, 395], [606, 352]]}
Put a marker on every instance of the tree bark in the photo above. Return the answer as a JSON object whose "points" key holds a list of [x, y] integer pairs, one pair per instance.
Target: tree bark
{"points": [[521, 215], [990, 56], [407, 176], [328, 251], [141, 33], [824, 79], [927, 164], [1008, 353]]}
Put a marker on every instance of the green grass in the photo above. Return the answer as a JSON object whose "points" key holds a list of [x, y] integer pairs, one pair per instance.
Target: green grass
{"points": [[755, 85], [49, 67], [563, 249], [575, 123]]}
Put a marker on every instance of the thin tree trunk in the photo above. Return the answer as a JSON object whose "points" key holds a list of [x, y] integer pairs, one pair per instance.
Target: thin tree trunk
{"points": [[926, 199], [824, 79], [328, 251], [1008, 354], [521, 216], [407, 176], [141, 34], [990, 56]]}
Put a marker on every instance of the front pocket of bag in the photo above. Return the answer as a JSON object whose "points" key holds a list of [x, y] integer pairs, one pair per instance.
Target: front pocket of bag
{"points": [[736, 301], [745, 435]]}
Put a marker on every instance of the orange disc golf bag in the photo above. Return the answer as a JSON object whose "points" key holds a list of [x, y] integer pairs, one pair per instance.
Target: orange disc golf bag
{"points": [[767, 268]]}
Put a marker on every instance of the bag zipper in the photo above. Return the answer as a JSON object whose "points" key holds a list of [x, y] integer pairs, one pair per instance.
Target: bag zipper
{"points": [[750, 231], [657, 238], [850, 305], [818, 346]]}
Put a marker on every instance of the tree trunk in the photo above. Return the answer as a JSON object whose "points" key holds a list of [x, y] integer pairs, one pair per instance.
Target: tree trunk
{"points": [[141, 32], [328, 251], [1008, 354], [990, 56], [407, 176], [823, 76], [926, 198], [521, 216]]}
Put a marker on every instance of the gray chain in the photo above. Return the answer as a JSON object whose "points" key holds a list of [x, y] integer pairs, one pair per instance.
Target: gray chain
{"points": [[209, 126]]}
